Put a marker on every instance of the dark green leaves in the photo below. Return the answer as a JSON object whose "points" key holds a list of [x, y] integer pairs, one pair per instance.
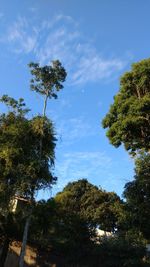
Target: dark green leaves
{"points": [[47, 80], [97, 207], [137, 193], [128, 120], [17, 106], [22, 165]]}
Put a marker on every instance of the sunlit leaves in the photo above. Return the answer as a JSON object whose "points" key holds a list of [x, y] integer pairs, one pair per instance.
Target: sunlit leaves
{"points": [[128, 120]]}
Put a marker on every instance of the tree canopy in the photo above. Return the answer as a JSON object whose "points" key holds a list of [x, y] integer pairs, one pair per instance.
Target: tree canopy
{"points": [[137, 194], [22, 168], [47, 80], [96, 206], [128, 120], [70, 231]]}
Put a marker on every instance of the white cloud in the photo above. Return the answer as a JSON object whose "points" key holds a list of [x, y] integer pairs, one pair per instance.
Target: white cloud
{"points": [[77, 165], [60, 38], [18, 37], [97, 68], [74, 129]]}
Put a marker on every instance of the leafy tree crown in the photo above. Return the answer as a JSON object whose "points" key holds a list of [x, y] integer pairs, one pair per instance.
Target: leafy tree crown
{"points": [[128, 120]]}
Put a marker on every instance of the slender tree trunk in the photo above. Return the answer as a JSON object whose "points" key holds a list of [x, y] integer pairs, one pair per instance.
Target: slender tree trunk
{"points": [[45, 105], [24, 242], [26, 229], [4, 252], [44, 113]]}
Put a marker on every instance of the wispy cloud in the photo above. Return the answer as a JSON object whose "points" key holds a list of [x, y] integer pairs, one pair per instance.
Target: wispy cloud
{"points": [[33, 9], [19, 38], [97, 68], [77, 165], [74, 129], [97, 167], [1, 15], [60, 38], [84, 63]]}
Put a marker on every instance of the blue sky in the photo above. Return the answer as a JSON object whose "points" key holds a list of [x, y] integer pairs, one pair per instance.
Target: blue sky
{"points": [[97, 41]]}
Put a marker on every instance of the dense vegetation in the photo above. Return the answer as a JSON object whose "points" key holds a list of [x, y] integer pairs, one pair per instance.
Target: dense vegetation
{"points": [[128, 120], [66, 227]]}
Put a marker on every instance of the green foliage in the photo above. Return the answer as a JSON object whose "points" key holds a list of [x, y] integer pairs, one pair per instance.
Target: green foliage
{"points": [[137, 194], [120, 252], [68, 237], [64, 232], [44, 223], [128, 120], [96, 206], [47, 80], [22, 166], [17, 106]]}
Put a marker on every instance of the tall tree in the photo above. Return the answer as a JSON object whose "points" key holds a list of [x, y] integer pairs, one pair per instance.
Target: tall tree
{"points": [[24, 169], [47, 81], [128, 120]]}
